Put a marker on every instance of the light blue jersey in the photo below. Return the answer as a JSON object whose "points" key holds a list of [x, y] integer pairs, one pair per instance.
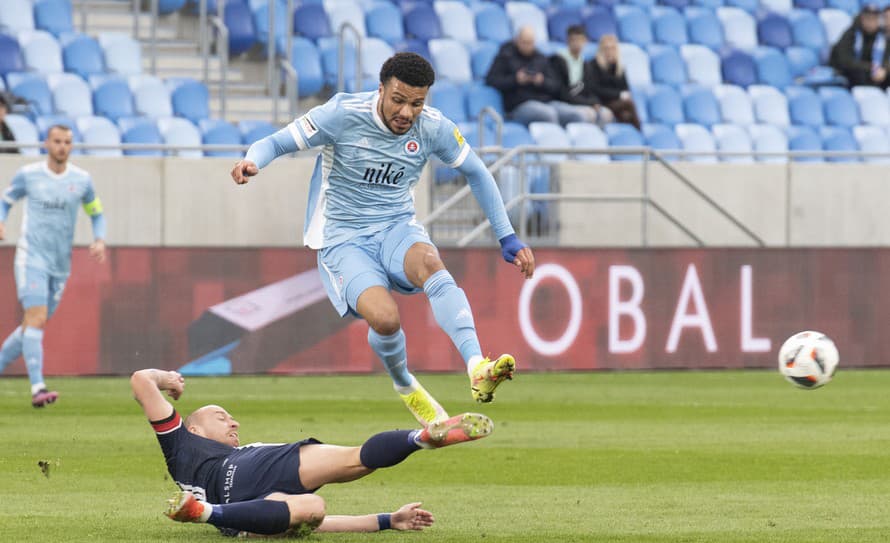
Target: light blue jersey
{"points": [[47, 231]]}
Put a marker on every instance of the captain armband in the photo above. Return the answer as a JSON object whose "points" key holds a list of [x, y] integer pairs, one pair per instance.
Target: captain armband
{"points": [[93, 208]]}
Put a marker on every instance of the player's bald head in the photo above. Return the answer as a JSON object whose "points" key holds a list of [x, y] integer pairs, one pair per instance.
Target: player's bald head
{"points": [[200, 414], [213, 422]]}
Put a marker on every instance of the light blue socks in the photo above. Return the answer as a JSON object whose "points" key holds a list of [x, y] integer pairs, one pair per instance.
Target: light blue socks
{"points": [[392, 351], [32, 349], [452, 311]]}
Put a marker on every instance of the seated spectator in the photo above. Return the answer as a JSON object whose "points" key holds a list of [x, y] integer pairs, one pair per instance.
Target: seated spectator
{"points": [[530, 89], [859, 55], [5, 133], [574, 78], [608, 81]]}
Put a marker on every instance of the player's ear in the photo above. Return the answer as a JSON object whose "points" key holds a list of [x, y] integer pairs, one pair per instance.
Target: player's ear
{"points": [[380, 88]]}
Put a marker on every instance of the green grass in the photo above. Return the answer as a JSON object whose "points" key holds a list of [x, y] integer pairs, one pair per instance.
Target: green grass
{"points": [[719, 457]]}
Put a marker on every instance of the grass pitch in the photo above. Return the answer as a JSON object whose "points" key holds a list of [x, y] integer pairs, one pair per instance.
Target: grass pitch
{"points": [[719, 457]]}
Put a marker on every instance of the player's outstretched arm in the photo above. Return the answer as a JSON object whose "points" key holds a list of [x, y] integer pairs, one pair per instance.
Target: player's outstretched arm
{"points": [[261, 153], [408, 517], [148, 386]]}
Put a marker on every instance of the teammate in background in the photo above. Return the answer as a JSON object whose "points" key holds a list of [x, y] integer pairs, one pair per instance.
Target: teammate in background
{"points": [[361, 218], [54, 190], [268, 489]]}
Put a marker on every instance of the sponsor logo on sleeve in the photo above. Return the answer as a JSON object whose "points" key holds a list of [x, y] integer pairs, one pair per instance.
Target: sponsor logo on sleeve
{"points": [[458, 137]]}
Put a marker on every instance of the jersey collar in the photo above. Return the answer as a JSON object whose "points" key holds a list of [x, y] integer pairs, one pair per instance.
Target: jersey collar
{"points": [[53, 174], [377, 120]]}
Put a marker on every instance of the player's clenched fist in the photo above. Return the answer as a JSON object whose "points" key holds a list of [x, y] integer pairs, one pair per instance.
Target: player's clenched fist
{"points": [[244, 170]]}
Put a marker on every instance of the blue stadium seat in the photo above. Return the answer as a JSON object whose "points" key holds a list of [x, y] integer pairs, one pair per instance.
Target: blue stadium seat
{"points": [[451, 60], [449, 98], [181, 133], [311, 21], [150, 97], [774, 30], [636, 64], [704, 27], [739, 28], [32, 87], [560, 19], [453, 16], [16, 16], [252, 131], [669, 27], [667, 65], [624, 135], [838, 138], [735, 104], [550, 135], [307, 62], [767, 138], [219, 132], [732, 138], [46, 122], [492, 23], [515, 134], [165, 7], [772, 67], [123, 54], [83, 56], [739, 68], [374, 53], [850, 7], [639, 100], [140, 130], [807, 30], [261, 26], [384, 21], [873, 105], [804, 106], [801, 61], [813, 5], [588, 136], [748, 6], [700, 106], [422, 22], [480, 96], [328, 47], [599, 22], [342, 12], [710, 4], [677, 4], [414, 46], [634, 25], [10, 55], [481, 56], [527, 14], [54, 16], [839, 107], [872, 139], [113, 99], [24, 132], [71, 95], [661, 138], [770, 105], [645, 4], [835, 22], [41, 52], [242, 33], [804, 138], [190, 99], [776, 6], [696, 138], [470, 132], [99, 131], [702, 65]]}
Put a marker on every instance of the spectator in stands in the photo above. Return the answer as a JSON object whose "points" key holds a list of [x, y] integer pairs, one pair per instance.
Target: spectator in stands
{"points": [[608, 81], [574, 78], [5, 133], [859, 54], [525, 78]]}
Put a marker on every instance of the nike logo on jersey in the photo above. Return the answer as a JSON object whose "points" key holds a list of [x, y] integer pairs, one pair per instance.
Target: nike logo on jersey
{"points": [[386, 174]]}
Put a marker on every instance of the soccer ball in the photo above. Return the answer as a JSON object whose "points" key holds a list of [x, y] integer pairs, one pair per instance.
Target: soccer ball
{"points": [[808, 359]]}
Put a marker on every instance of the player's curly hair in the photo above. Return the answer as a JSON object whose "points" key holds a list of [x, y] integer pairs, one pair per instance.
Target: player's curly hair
{"points": [[409, 68]]}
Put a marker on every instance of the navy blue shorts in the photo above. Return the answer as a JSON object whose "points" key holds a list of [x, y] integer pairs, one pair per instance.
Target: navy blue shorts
{"points": [[255, 471]]}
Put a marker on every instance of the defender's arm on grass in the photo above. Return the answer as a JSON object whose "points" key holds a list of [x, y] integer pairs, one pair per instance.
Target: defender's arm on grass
{"points": [[408, 517], [147, 388]]}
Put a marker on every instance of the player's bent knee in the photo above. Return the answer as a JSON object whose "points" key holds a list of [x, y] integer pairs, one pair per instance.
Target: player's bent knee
{"points": [[432, 263], [306, 509], [385, 323]]}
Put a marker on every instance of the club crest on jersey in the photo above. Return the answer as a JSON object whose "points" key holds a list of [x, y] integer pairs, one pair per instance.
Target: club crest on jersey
{"points": [[412, 147]]}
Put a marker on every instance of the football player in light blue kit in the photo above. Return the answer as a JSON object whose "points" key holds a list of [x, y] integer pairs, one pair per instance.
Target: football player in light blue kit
{"points": [[361, 218], [54, 189]]}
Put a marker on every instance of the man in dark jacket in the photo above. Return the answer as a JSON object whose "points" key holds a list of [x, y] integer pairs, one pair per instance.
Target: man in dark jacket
{"points": [[5, 133], [858, 55], [526, 80], [574, 76]]}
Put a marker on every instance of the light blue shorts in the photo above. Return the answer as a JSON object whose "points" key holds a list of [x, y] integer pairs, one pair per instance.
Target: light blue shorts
{"points": [[350, 268], [37, 287]]}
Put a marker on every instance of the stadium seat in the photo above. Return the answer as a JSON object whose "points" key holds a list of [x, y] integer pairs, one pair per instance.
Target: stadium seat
{"points": [[704, 28], [738, 68], [421, 22], [481, 56], [123, 54], [113, 99], [732, 138], [252, 131], [739, 28], [639, 100], [777, 6], [32, 87], [636, 63], [384, 21], [350, 12], [492, 23], [677, 4], [449, 98], [165, 7], [150, 97], [667, 65], [83, 56], [470, 132], [451, 60], [735, 104], [99, 131], [16, 16], [634, 25], [71, 95], [219, 132], [10, 55], [801, 61], [239, 21], [774, 30], [709, 4], [662, 138], [874, 108], [835, 22], [807, 30], [311, 21], [24, 132], [550, 135], [307, 62], [140, 130], [770, 105], [767, 138], [850, 7], [702, 65], [328, 47], [664, 105], [453, 16], [623, 135], [838, 138], [480, 96], [54, 16], [804, 107], [599, 22], [748, 6], [772, 67], [588, 136], [41, 52], [700, 106], [181, 133], [669, 27], [804, 138], [560, 19], [374, 53], [526, 14], [190, 99], [872, 139], [696, 138], [813, 5], [261, 27], [44, 123], [414, 46], [839, 107]]}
